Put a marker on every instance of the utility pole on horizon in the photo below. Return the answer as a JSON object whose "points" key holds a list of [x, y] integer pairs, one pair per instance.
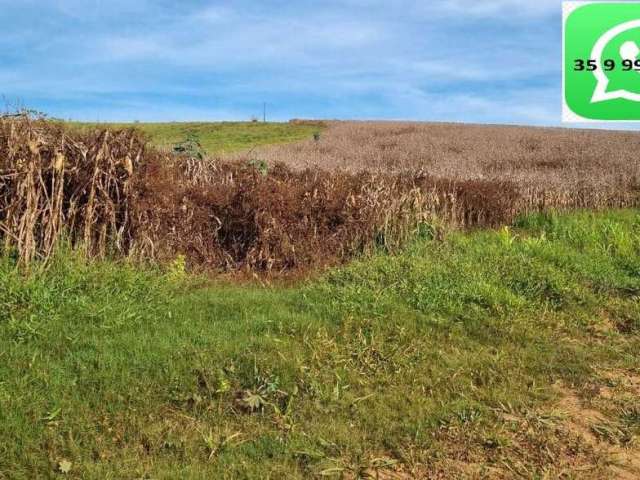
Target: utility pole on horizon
{"points": [[264, 112]]}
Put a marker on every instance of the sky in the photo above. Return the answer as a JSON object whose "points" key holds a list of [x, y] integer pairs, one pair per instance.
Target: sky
{"points": [[488, 61]]}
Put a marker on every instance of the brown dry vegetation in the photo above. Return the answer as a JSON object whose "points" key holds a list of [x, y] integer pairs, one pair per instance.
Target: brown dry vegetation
{"points": [[280, 221], [53, 185], [549, 167], [361, 186], [107, 192]]}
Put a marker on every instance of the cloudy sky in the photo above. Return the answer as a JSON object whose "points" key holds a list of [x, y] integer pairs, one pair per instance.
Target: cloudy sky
{"points": [[154, 60]]}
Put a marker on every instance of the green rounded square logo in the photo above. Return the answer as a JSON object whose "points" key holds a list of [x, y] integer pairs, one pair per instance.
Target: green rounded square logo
{"points": [[601, 61]]}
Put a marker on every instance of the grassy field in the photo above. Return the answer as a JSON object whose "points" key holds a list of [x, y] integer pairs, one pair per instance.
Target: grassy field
{"points": [[216, 137], [502, 354]]}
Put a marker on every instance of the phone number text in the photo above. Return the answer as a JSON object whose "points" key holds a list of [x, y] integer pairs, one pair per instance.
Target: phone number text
{"points": [[608, 65]]}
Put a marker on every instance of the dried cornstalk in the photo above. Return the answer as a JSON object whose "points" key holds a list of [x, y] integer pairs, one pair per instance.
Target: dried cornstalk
{"points": [[57, 184]]}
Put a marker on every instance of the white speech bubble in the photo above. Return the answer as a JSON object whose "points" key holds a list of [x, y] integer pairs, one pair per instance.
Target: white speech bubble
{"points": [[600, 94]]}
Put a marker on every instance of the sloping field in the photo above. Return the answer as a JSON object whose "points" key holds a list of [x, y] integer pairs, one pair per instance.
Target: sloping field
{"points": [[217, 137], [486, 355], [467, 151], [552, 166]]}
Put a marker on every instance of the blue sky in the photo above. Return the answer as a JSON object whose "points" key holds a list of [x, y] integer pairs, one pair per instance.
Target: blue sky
{"points": [[494, 61]]}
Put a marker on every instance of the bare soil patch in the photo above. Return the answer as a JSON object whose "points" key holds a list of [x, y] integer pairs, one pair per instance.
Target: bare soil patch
{"points": [[592, 425]]}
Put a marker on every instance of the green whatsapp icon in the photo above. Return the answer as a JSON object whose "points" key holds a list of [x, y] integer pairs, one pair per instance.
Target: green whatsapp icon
{"points": [[601, 61]]}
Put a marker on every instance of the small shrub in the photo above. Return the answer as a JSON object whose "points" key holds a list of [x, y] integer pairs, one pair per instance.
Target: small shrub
{"points": [[260, 165], [190, 147]]}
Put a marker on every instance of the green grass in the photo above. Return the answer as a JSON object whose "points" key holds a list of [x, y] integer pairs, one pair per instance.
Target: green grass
{"points": [[412, 360], [221, 136]]}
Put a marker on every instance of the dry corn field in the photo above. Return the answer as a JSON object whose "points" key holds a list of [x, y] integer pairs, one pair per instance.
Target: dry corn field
{"points": [[357, 187], [553, 167]]}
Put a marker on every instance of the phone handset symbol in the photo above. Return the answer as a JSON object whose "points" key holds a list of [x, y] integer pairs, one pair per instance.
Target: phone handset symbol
{"points": [[630, 51]]}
